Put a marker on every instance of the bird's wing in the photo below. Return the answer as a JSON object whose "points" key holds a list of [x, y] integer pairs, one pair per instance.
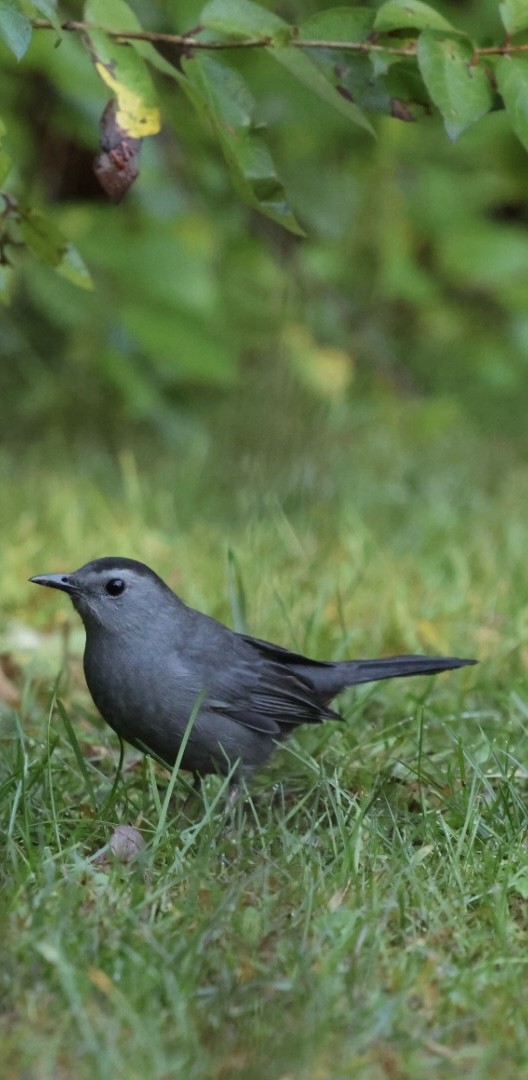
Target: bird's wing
{"points": [[267, 696], [252, 682], [284, 656]]}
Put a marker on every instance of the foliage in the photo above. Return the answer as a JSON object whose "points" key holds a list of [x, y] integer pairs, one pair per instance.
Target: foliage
{"points": [[410, 273], [400, 59]]}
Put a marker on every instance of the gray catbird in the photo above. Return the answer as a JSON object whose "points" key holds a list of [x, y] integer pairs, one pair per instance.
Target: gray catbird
{"points": [[149, 658]]}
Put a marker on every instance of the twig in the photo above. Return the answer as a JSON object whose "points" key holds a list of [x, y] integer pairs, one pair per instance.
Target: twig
{"points": [[189, 41]]}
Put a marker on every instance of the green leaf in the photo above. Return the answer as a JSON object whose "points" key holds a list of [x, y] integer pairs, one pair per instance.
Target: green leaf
{"points": [[228, 97], [122, 68], [125, 73], [400, 14], [360, 77], [48, 10], [74, 269], [117, 15], [406, 87], [111, 15], [460, 89], [15, 28], [256, 180], [350, 76], [241, 18], [51, 248], [306, 71], [42, 238], [514, 14], [512, 80], [222, 98], [382, 61], [339, 24], [153, 57], [353, 79]]}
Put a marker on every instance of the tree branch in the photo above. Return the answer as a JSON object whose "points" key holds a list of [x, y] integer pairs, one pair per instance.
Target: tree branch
{"points": [[190, 41]]}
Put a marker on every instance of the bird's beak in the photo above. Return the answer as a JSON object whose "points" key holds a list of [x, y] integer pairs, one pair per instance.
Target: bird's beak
{"points": [[55, 581]]}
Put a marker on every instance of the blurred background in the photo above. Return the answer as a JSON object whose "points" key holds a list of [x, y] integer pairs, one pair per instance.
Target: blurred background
{"points": [[280, 425], [319, 439]]}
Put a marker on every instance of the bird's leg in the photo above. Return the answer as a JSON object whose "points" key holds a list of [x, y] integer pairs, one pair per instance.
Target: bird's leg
{"points": [[235, 792], [238, 787], [193, 789]]}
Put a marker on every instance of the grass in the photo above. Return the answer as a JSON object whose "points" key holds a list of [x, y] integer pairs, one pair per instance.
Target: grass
{"points": [[364, 913]]}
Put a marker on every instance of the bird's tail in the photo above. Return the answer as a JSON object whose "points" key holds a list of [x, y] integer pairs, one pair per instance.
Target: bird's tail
{"points": [[393, 667]]}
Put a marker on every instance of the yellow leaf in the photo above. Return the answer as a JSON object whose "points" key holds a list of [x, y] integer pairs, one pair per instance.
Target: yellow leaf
{"points": [[132, 114]]}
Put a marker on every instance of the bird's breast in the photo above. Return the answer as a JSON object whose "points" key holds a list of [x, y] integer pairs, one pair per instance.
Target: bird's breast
{"points": [[135, 692]]}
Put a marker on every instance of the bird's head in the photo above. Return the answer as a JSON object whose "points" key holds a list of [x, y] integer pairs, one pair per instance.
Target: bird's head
{"points": [[114, 594]]}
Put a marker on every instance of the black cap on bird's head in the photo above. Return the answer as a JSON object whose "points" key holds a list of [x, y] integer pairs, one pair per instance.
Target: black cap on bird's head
{"points": [[99, 589]]}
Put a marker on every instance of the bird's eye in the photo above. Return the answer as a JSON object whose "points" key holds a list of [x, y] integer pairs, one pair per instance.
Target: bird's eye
{"points": [[115, 586]]}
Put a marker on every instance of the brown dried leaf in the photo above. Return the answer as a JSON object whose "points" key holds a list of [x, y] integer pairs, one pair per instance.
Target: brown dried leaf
{"points": [[117, 166]]}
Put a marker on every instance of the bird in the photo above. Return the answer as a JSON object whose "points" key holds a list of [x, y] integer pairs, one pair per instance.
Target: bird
{"points": [[163, 674]]}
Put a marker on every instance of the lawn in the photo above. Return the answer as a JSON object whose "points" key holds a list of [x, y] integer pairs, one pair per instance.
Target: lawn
{"points": [[364, 912]]}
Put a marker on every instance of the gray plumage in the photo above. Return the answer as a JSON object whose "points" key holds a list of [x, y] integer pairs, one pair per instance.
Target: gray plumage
{"points": [[149, 657]]}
